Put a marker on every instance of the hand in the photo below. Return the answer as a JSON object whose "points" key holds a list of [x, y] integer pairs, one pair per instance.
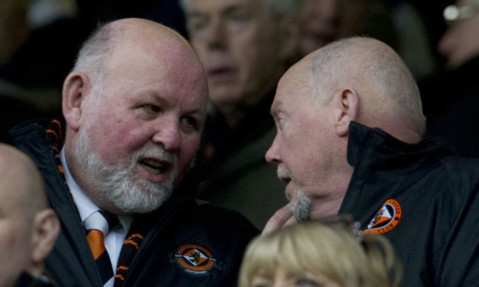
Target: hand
{"points": [[281, 218]]}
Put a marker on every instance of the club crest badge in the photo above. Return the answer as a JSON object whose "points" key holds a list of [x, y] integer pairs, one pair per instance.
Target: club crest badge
{"points": [[386, 218], [195, 259]]}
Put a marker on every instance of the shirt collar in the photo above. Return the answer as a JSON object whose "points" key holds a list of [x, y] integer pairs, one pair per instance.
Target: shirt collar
{"points": [[84, 204]]}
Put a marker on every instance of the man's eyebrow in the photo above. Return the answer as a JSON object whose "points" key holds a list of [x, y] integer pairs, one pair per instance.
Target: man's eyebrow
{"points": [[275, 107], [196, 14], [234, 7], [225, 10]]}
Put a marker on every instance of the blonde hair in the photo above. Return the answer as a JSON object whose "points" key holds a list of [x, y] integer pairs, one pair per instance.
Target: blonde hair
{"points": [[331, 250]]}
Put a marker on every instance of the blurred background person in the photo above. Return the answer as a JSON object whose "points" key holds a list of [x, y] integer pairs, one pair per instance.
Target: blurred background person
{"points": [[394, 22], [14, 31], [245, 46], [166, 12], [39, 39], [316, 254], [27, 227], [460, 43], [451, 98]]}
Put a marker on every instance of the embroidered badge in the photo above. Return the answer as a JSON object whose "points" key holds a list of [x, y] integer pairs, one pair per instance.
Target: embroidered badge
{"points": [[386, 218], [195, 259]]}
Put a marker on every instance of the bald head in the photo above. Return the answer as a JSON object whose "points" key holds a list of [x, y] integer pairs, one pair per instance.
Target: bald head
{"points": [[126, 39], [21, 184], [28, 227], [388, 95]]}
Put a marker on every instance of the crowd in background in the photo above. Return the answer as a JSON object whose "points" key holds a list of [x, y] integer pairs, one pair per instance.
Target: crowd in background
{"points": [[41, 38], [437, 41]]}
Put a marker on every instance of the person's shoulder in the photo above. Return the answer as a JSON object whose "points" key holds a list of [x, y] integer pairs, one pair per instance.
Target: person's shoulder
{"points": [[457, 175], [29, 126], [460, 164]]}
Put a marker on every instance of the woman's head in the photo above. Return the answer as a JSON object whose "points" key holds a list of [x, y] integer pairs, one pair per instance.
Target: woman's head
{"points": [[322, 254]]}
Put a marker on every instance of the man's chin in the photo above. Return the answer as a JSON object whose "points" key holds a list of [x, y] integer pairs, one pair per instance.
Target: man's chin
{"points": [[301, 206], [141, 199]]}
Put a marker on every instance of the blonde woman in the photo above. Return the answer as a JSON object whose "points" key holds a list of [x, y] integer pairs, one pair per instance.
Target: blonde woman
{"points": [[315, 254]]}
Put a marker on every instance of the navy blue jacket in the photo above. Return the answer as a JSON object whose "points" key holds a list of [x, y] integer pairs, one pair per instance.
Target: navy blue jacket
{"points": [[184, 243], [424, 199]]}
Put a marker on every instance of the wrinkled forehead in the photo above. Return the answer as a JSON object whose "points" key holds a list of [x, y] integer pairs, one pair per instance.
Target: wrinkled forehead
{"points": [[167, 56], [294, 85]]}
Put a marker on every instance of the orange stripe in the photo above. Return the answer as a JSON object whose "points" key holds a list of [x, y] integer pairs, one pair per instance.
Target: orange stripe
{"points": [[52, 132], [128, 241], [121, 268], [118, 276], [95, 240], [136, 235], [60, 169]]}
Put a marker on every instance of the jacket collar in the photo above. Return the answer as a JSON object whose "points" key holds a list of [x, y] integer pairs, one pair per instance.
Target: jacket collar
{"points": [[382, 165]]}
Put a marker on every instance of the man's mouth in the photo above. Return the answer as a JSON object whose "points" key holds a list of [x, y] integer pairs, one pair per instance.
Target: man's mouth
{"points": [[283, 174], [223, 73], [155, 166]]}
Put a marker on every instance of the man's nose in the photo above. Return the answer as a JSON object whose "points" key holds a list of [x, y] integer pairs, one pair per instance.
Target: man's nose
{"points": [[214, 34], [167, 134], [272, 154]]}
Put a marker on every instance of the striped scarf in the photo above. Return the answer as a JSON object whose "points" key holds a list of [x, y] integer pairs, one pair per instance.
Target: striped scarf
{"points": [[56, 133]]}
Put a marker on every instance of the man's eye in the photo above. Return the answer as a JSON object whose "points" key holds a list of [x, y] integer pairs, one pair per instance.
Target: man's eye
{"points": [[190, 123], [151, 109], [197, 23], [240, 15], [280, 123]]}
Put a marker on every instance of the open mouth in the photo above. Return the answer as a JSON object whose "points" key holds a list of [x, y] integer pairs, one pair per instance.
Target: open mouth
{"points": [[283, 174], [155, 166]]}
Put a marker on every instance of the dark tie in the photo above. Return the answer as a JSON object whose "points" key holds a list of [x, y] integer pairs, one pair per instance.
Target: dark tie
{"points": [[97, 226]]}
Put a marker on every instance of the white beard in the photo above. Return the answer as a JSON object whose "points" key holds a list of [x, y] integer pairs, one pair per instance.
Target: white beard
{"points": [[125, 189]]}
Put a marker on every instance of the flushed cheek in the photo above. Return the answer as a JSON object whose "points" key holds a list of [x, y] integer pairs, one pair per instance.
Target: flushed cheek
{"points": [[121, 145]]}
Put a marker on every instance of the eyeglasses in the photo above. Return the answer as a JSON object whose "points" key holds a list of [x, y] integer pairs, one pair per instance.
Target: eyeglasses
{"points": [[453, 13]]}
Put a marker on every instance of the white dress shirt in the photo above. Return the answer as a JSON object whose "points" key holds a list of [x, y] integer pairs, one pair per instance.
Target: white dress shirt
{"points": [[115, 237]]}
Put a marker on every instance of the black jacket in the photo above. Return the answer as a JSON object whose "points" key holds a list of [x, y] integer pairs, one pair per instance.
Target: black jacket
{"points": [[432, 211], [183, 243]]}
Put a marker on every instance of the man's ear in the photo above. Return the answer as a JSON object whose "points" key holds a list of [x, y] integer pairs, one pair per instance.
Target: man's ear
{"points": [[346, 104], [75, 88], [45, 233]]}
